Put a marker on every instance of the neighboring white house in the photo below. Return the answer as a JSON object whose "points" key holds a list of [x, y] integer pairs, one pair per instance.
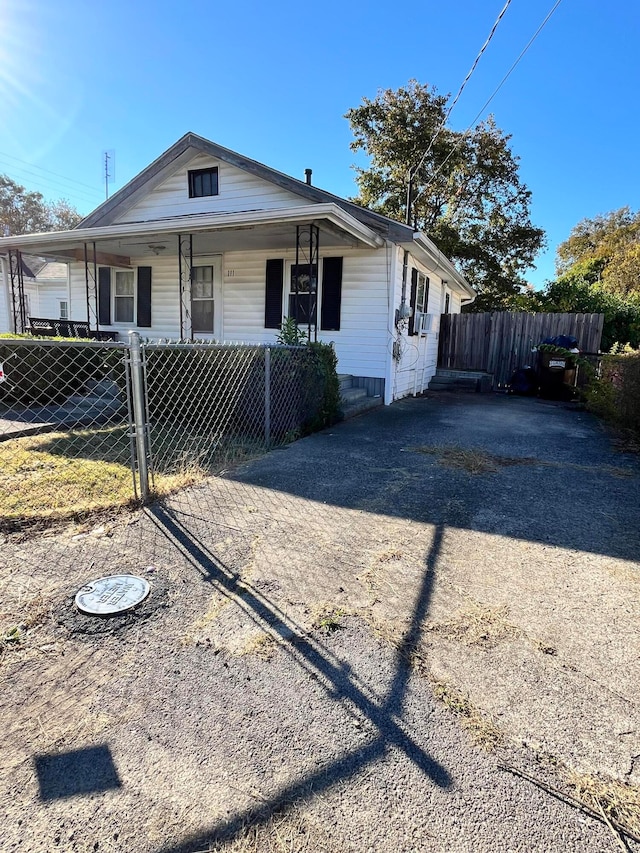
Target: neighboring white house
{"points": [[206, 243], [46, 291]]}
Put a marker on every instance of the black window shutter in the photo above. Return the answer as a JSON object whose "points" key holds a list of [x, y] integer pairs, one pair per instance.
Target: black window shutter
{"points": [[331, 294], [144, 297], [104, 296], [412, 301], [273, 293]]}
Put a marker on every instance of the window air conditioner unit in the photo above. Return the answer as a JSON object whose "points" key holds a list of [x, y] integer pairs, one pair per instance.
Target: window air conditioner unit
{"points": [[427, 323]]}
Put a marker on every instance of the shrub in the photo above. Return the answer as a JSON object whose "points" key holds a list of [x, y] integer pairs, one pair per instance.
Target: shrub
{"points": [[616, 394], [43, 373], [221, 389]]}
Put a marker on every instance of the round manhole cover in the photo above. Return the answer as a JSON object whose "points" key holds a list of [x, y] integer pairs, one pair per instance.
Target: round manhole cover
{"points": [[113, 594]]}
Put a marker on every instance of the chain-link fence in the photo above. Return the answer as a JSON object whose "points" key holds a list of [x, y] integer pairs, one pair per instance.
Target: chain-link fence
{"points": [[65, 444], [210, 405], [86, 426]]}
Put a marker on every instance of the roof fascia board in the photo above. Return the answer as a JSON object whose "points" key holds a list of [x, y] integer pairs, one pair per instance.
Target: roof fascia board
{"points": [[434, 255], [155, 173], [202, 222], [147, 180]]}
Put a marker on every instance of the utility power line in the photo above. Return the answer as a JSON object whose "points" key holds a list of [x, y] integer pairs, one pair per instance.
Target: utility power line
{"points": [[460, 90], [49, 184], [42, 169], [488, 101]]}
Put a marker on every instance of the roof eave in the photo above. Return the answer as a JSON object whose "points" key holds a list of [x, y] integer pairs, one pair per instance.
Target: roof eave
{"points": [[433, 253], [47, 242]]}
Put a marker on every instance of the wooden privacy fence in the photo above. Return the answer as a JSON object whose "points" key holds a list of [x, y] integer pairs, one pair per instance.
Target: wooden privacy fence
{"points": [[500, 342]]}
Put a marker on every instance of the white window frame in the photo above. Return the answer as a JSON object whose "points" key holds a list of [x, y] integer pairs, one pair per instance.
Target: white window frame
{"points": [[211, 299], [214, 261], [421, 307], [446, 291], [114, 297], [64, 312]]}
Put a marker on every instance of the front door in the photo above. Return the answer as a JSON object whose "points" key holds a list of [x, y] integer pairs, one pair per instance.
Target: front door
{"points": [[206, 298]]}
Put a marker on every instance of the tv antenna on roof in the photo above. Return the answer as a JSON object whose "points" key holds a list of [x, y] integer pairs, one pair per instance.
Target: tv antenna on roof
{"points": [[109, 159]]}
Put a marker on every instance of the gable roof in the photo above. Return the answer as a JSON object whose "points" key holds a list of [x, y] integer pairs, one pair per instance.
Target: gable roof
{"points": [[191, 143]]}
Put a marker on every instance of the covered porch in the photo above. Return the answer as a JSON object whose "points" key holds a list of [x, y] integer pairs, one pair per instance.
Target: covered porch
{"points": [[169, 278]]}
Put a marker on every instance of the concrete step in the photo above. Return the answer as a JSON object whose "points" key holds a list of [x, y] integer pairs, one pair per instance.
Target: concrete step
{"points": [[468, 385], [461, 380], [360, 406], [352, 395], [345, 380], [450, 373]]}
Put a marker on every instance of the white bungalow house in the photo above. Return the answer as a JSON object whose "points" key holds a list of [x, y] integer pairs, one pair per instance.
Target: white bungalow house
{"points": [[205, 243]]}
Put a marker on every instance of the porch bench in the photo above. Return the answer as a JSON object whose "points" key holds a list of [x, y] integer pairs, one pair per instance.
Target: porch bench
{"points": [[44, 327]]}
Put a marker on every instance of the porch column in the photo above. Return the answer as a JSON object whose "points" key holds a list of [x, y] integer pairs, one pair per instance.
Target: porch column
{"points": [[185, 267], [305, 279], [91, 287], [18, 304]]}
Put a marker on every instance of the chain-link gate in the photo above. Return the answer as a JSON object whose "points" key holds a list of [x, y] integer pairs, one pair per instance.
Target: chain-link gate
{"points": [[87, 425]]}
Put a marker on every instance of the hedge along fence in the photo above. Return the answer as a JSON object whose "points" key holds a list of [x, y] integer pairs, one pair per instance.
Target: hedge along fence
{"points": [[49, 371], [203, 399], [186, 382], [615, 395]]}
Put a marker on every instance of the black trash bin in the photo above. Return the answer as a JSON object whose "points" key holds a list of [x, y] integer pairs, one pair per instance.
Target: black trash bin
{"points": [[557, 374]]}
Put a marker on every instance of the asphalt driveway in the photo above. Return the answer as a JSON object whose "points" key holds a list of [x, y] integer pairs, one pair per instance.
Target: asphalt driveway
{"points": [[333, 630]]}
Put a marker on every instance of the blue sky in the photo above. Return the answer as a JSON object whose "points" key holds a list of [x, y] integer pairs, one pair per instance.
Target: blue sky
{"points": [[273, 81]]}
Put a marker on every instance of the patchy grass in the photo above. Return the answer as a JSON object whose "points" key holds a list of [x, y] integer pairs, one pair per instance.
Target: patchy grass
{"points": [[476, 626], [327, 619], [619, 802], [285, 832], [480, 726], [473, 461], [58, 476]]}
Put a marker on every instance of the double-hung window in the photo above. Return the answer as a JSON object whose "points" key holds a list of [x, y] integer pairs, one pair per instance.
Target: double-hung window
{"points": [[202, 299], [422, 294], [124, 297], [64, 309]]}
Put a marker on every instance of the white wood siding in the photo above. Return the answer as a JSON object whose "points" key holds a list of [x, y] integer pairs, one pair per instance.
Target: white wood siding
{"points": [[362, 344], [49, 296], [419, 353], [237, 190], [5, 322]]}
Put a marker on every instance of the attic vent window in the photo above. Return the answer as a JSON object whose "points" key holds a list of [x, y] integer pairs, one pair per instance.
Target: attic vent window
{"points": [[203, 182]]}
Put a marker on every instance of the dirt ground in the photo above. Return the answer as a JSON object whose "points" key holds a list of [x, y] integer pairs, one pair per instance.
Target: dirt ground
{"points": [[354, 643]]}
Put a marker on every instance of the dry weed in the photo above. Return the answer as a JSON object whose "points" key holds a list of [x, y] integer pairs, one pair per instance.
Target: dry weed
{"points": [[472, 460], [480, 726], [285, 832], [619, 802], [476, 626], [262, 645]]}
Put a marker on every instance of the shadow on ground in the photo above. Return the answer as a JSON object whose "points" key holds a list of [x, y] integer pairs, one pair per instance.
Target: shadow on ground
{"points": [[316, 660], [575, 491]]}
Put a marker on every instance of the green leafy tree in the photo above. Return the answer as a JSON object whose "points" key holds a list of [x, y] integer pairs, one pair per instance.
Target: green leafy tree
{"points": [[23, 211], [576, 292], [466, 192], [609, 246]]}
